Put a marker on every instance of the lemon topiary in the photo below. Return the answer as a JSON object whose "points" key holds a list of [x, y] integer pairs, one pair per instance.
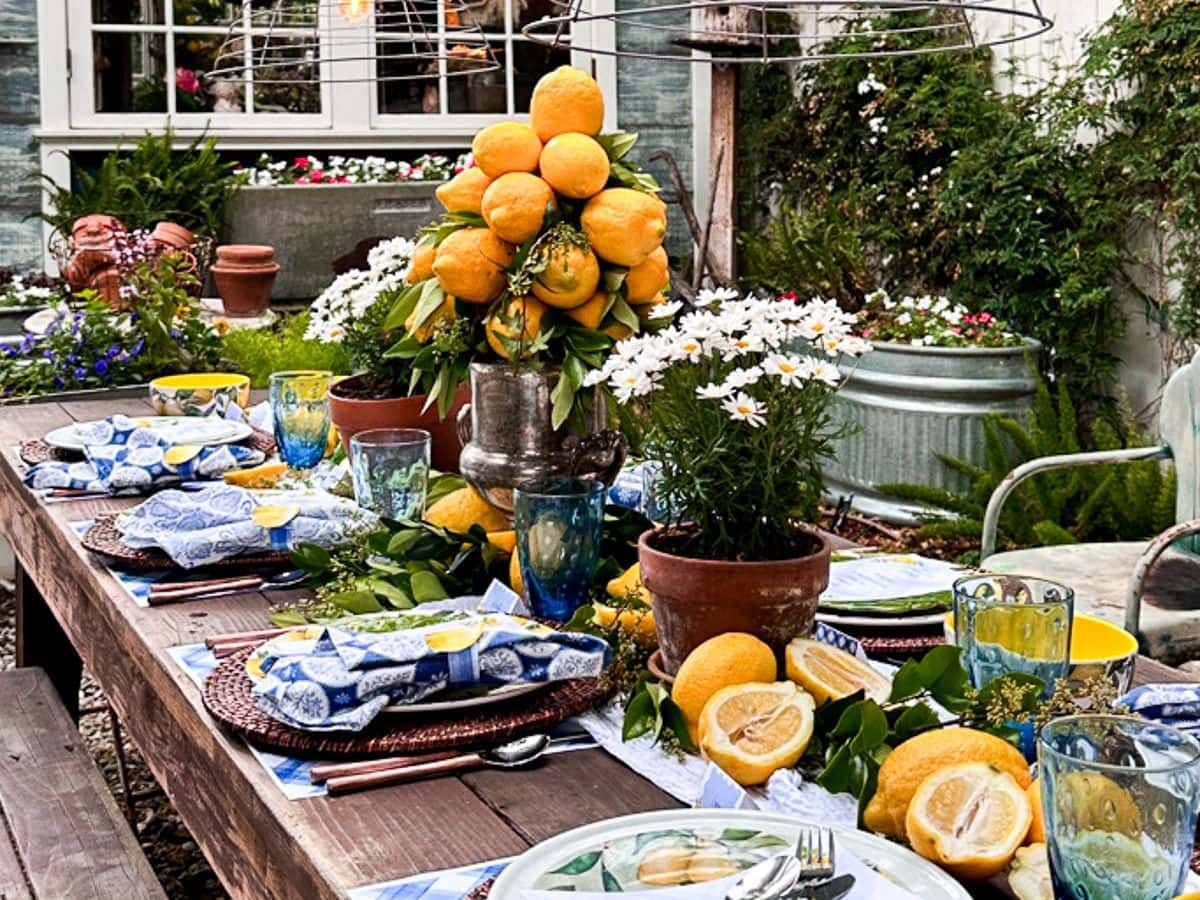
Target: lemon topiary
{"points": [[590, 313], [444, 313], [506, 147], [464, 192], [570, 278], [528, 310], [575, 165], [461, 509], [566, 100], [624, 226], [721, 661], [470, 264], [515, 206], [421, 266], [646, 280]]}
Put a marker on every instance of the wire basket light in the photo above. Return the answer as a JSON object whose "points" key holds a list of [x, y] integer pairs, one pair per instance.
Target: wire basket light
{"points": [[790, 31], [291, 42]]}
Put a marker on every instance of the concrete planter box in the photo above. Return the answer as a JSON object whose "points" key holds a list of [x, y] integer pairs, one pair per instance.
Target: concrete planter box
{"points": [[911, 403], [310, 226], [12, 319]]}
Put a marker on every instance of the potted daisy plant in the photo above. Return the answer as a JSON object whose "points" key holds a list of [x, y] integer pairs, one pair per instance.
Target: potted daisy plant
{"points": [[736, 397]]}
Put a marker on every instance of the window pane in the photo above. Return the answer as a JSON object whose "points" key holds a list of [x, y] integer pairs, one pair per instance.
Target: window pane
{"points": [[418, 17], [286, 75], [534, 10], [196, 55], [487, 15], [128, 12], [263, 13], [531, 61], [129, 72], [407, 75], [478, 92]]}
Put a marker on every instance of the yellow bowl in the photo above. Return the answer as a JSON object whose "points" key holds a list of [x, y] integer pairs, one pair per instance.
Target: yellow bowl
{"points": [[1099, 649], [205, 394]]}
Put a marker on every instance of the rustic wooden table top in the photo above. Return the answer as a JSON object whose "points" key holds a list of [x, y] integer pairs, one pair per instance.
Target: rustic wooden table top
{"points": [[260, 843]]}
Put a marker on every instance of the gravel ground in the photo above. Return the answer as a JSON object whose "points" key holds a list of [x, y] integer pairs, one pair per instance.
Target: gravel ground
{"points": [[168, 845]]}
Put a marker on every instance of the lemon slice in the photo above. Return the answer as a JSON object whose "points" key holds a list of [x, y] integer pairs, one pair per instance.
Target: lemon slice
{"points": [[751, 730], [451, 640], [831, 674], [181, 453], [266, 475], [969, 818], [274, 516]]}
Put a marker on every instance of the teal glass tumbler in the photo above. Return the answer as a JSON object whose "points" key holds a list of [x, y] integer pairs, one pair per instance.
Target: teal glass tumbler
{"points": [[390, 470], [300, 408], [1013, 623], [559, 523], [1119, 798]]}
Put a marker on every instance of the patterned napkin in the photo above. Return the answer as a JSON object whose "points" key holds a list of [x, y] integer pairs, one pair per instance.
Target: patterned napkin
{"points": [[122, 457], [201, 527], [1170, 703], [343, 682]]}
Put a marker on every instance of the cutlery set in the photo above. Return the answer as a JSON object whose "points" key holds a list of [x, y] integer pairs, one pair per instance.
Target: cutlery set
{"points": [[163, 592], [804, 874]]}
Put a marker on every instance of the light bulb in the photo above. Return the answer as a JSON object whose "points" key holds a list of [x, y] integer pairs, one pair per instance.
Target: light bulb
{"points": [[354, 11]]}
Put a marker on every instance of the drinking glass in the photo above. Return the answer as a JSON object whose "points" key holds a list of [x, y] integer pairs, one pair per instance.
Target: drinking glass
{"points": [[1011, 623], [300, 404], [1119, 796], [558, 526], [390, 467]]}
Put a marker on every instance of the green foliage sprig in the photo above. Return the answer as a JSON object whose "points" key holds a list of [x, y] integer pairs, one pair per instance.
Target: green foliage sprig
{"points": [[257, 352]]}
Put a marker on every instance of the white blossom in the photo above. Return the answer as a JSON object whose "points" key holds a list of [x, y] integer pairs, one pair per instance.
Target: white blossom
{"points": [[744, 408]]}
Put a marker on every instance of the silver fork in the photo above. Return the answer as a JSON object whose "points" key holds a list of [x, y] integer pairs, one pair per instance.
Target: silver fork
{"points": [[814, 850]]}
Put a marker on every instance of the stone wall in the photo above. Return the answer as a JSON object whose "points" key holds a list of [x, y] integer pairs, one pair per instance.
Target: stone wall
{"points": [[20, 238]]}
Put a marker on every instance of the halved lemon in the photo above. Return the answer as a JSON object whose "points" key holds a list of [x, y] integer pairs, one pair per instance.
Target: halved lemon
{"points": [[751, 730], [264, 476], [969, 818], [831, 674]]}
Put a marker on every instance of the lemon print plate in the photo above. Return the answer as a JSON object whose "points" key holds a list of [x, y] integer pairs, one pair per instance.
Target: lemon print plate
{"points": [[455, 631], [207, 431]]}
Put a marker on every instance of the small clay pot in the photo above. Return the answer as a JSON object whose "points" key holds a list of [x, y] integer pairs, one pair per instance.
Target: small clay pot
{"points": [[168, 234], [242, 256], [245, 275], [107, 285], [96, 231], [696, 599]]}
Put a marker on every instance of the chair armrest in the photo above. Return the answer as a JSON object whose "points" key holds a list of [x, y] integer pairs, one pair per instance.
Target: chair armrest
{"points": [[1137, 583], [991, 518]]}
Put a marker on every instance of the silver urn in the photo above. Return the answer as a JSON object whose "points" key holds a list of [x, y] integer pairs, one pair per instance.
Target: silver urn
{"points": [[507, 438]]}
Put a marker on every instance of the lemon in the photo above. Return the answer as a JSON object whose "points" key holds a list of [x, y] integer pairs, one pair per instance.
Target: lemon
{"points": [[514, 576], [969, 818], [566, 100], [181, 453], [831, 674], [752, 730], [590, 313], [264, 476], [624, 226], [464, 192], [1037, 828], [470, 264], [506, 147], [453, 640], [665, 866], [1029, 874], [274, 516], [528, 312], [636, 623], [646, 280], [444, 313], [918, 757], [721, 661], [618, 331], [421, 266], [575, 165], [570, 278], [504, 541], [628, 581], [461, 509], [515, 206]]}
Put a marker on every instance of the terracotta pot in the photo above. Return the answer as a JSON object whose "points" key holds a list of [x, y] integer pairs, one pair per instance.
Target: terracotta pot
{"points": [[171, 235], [245, 255], [107, 285], [96, 230], [696, 599], [351, 415]]}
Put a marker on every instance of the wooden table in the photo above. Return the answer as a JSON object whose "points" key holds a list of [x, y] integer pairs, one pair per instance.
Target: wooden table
{"points": [[261, 844]]}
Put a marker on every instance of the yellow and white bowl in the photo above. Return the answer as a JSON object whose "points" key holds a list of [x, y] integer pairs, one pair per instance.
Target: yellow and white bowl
{"points": [[208, 394], [1099, 649]]}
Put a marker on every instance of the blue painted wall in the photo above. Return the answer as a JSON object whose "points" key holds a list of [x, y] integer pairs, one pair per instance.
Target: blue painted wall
{"points": [[20, 239]]}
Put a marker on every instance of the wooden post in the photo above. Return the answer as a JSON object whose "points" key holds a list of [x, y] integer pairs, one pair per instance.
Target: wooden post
{"points": [[722, 239], [42, 642]]}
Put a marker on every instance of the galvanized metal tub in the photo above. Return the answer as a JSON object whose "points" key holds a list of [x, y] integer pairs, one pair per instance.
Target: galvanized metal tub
{"points": [[310, 226], [910, 403]]}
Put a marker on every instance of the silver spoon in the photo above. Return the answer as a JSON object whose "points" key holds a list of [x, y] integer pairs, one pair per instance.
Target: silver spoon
{"points": [[767, 879]]}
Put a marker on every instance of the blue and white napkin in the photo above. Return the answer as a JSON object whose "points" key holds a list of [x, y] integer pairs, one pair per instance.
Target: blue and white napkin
{"points": [[204, 526], [123, 457], [344, 680], [1170, 703]]}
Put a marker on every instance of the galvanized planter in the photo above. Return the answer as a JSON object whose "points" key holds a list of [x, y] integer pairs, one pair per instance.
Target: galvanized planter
{"points": [[910, 403], [310, 226]]}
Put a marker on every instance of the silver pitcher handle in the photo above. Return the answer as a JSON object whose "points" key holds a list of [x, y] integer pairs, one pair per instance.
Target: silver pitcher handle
{"points": [[463, 425], [601, 453]]}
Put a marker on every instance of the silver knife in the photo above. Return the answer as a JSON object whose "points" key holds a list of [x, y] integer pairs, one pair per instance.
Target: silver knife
{"points": [[829, 890]]}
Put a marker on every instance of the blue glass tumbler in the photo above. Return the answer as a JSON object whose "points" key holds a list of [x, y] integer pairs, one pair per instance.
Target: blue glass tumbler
{"points": [[559, 523], [300, 407]]}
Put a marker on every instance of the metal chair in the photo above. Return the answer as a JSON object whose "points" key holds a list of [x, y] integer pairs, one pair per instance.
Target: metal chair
{"points": [[1110, 578]]}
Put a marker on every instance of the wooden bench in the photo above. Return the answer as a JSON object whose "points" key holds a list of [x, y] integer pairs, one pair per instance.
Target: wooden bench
{"points": [[61, 835]]}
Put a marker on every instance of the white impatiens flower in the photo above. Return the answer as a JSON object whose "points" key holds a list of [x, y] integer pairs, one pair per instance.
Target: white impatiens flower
{"points": [[787, 369], [744, 408], [665, 310], [712, 391]]}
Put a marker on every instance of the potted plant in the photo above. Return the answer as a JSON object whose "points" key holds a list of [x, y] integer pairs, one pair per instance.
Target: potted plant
{"points": [[736, 403], [938, 370], [354, 312]]}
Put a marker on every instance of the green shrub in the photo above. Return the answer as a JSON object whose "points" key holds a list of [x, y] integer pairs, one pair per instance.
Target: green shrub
{"points": [[257, 352]]}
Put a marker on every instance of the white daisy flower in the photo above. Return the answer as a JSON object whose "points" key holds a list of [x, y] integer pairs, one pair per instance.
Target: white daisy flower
{"points": [[740, 378], [665, 310], [712, 391], [787, 369], [744, 408], [818, 370]]}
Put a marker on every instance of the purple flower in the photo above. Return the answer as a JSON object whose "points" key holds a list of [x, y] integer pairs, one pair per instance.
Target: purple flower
{"points": [[58, 382], [9, 350], [137, 348], [101, 366], [80, 373], [74, 357], [175, 333], [48, 354]]}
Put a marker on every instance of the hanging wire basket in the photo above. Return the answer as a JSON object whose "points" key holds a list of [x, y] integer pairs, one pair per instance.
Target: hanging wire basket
{"points": [[283, 42], [789, 31]]}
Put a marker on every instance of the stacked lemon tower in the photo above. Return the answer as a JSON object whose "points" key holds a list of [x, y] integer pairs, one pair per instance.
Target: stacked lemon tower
{"points": [[539, 193]]}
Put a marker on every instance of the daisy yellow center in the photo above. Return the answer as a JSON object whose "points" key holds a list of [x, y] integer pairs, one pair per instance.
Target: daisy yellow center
{"points": [[744, 410], [787, 368], [818, 327], [691, 347]]}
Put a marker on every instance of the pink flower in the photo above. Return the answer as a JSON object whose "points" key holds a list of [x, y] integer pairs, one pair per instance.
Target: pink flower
{"points": [[301, 162], [342, 179], [985, 317], [187, 81], [790, 296], [956, 331], [317, 176], [303, 179]]}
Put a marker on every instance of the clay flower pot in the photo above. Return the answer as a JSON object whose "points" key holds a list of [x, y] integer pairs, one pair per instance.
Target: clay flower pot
{"points": [[352, 414], [696, 599], [107, 285], [168, 234], [245, 275]]}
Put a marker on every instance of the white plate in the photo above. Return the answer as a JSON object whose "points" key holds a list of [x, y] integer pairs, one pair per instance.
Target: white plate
{"points": [[208, 431], [917, 620], [303, 639], [892, 861]]}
